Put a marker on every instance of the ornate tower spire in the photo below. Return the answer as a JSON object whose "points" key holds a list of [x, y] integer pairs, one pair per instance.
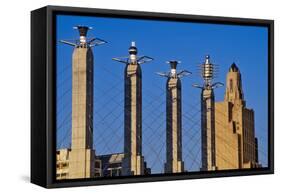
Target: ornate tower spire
{"points": [[234, 91]]}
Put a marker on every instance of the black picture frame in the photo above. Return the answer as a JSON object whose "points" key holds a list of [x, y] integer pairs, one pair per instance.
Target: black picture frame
{"points": [[43, 85]]}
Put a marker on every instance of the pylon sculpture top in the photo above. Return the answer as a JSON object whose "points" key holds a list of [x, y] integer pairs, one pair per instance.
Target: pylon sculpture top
{"points": [[208, 73], [173, 73], [133, 58], [83, 41]]}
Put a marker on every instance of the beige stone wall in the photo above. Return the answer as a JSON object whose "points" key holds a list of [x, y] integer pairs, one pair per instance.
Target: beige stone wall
{"points": [[249, 137], [81, 163], [227, 142], [235, 136]]}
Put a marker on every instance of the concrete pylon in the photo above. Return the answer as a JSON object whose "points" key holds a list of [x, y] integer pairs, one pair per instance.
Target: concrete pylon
{"points": [[208, 141], [133, 162], [82, 155], [208, 149], [174, 163]]}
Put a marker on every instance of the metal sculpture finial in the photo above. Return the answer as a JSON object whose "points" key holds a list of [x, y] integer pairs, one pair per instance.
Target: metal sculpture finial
{"points": [[133, 58], [173, 73], [207, 58], [83, 41], [133, 43], [208, 72], [83, 30]]}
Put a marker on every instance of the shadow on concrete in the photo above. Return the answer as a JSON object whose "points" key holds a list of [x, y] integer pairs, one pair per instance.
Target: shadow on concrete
{"points": [[25, 178]]}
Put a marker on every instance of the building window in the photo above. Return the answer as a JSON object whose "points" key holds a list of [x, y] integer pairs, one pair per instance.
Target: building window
{"points": [[115, 172], [231, 85], [98, 164]]}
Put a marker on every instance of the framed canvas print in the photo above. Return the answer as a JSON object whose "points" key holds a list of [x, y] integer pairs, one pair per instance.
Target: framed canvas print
{"points": [[125, 96]]}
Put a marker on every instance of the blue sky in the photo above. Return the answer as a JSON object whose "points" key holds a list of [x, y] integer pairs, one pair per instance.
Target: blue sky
{"points": [[187, 42]]}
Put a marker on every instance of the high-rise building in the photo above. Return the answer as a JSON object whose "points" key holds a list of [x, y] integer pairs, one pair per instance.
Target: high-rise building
{"points": [[236, 145]]}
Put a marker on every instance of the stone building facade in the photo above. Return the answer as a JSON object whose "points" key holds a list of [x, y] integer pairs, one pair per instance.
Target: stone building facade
{"points": [[62, 161], [236, 144]]}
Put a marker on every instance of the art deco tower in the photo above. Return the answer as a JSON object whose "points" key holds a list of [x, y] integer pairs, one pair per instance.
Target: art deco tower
{"points": [[174, 162], [133, 162], [208, 144], [81, 158], [235, 127]]}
